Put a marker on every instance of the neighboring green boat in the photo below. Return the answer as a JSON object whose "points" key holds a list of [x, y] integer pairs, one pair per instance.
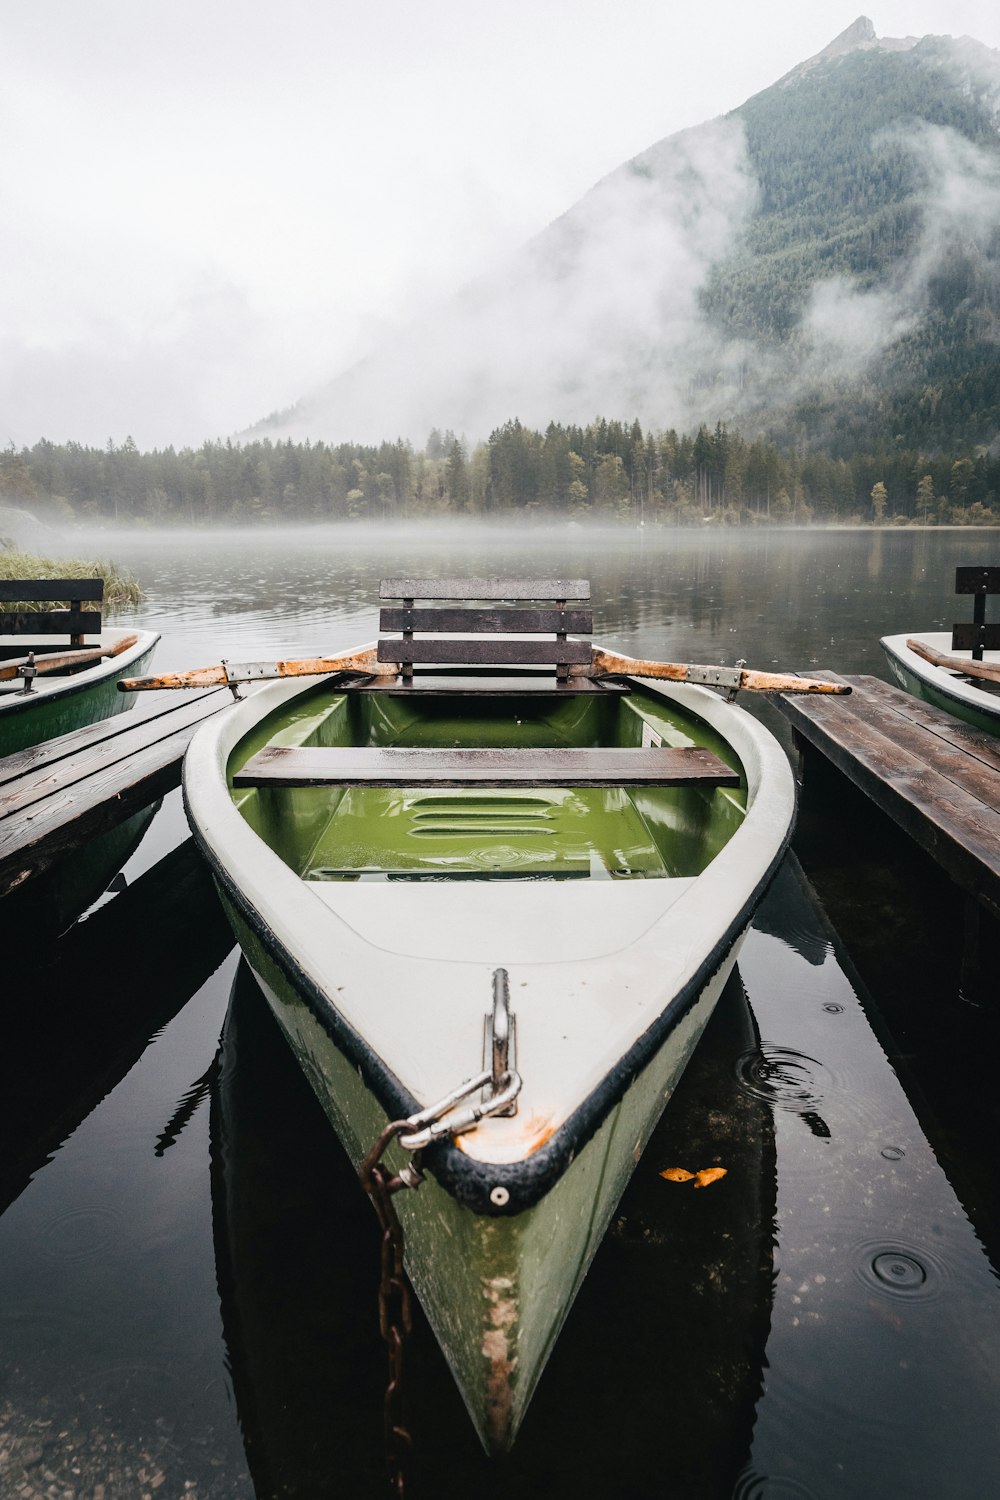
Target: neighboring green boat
{"points": [[59, 670], [530, 886], [950, 688], [956, 671]]}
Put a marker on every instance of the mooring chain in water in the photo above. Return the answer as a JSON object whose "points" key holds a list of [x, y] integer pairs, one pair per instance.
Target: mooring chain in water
{"points": [[498, 1086], [394, 1304]]}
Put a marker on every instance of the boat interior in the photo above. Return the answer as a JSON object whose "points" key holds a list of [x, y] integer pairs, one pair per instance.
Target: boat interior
{"points": [[504, 820], [403, 832]]}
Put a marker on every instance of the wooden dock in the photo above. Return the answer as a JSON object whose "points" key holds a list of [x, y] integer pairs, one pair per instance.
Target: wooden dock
{"points": [[936, 778], [62, 793]]}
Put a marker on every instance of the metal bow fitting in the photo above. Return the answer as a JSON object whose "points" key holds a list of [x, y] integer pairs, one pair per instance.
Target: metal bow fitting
{"points": [[433, 1123], [499, 1082]]}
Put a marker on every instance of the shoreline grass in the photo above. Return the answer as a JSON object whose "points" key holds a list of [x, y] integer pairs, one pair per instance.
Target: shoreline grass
{"points": [[120, 588]]}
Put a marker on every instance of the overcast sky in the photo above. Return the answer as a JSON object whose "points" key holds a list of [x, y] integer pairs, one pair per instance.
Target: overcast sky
{"points": [[209, 207]]}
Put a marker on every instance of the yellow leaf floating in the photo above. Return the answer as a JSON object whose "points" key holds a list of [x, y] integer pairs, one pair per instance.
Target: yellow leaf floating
{"points": [[677, 1174], [708, 1175]]}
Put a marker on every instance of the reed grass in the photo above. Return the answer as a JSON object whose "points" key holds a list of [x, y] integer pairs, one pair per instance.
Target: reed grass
{"points": [[120, 588]]}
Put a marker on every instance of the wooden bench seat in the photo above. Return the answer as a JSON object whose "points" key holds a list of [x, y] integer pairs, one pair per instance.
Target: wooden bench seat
{"points": [[74, 621], [277, 766]]}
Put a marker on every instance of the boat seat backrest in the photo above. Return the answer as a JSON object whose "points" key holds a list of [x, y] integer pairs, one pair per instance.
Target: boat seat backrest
{"points": [[976, 635], [74, 620], [486, 622]]}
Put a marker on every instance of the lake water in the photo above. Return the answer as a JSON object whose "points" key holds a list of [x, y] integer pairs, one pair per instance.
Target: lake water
{"points": [[188, 1266]]}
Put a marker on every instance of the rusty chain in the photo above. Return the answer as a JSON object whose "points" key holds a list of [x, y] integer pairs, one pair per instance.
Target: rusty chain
{"points": [[394, 1298]]}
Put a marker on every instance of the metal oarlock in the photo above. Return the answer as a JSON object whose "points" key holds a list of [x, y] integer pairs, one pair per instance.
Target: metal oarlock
{"points": [[27, 671]]}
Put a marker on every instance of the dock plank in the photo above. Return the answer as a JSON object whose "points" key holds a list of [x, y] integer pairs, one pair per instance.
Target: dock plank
{"points": [[77, 761], [976, 743], [973, 769], [922, 769], [48, 752], [88, 783]]}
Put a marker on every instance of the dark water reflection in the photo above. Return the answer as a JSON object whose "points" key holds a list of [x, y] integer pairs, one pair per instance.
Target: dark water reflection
{"points": [[187, 1266]]}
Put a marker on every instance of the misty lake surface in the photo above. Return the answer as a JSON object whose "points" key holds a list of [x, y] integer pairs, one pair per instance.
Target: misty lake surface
{"points": [[188, 1266]]}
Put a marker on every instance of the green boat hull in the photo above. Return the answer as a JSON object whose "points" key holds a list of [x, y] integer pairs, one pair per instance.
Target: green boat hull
{"points": [[71, 702], [943, 690], [496, 1291], [687, 1272]]}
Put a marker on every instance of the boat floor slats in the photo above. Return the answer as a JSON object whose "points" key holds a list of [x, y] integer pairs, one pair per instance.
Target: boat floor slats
{"points": [[937, 778], [372, 766], [455, 686], [67, 791]]}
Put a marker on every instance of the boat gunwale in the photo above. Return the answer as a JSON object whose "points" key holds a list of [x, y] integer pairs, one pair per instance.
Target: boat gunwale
{"points": [[942, 680], [470, 1180], [51, 689]]}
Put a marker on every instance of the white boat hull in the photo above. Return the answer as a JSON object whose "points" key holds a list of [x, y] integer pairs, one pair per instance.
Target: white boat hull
{"points": [[381, 991], [944, 689]]}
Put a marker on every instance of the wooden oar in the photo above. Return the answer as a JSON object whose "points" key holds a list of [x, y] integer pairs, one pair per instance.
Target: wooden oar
{"points": [[736, 679], [10, 668], [362, 662], [602, 664], [990, 671]]}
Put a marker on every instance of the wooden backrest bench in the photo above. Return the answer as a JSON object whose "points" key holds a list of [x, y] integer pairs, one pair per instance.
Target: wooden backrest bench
{"points": [[504, 634], [75, 621], [976, 635]]}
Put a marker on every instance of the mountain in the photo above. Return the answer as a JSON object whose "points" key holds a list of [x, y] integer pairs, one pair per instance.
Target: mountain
{"points": [[821, 265]]}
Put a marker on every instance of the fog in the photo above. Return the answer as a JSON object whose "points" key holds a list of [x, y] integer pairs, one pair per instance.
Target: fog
{"points": [[603, 313], [211, 214], [847, 327], [600, 315]]}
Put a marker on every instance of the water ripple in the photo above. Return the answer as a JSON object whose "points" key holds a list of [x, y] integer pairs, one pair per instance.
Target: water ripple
{"points": [[79, 1234], [894, 1268], [783, 1078], [754, 1486]]}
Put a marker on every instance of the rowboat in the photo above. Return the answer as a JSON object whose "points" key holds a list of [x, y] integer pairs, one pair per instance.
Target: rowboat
{"points": [[925, 665], [60, 668], [957, 672], [492, 912]]}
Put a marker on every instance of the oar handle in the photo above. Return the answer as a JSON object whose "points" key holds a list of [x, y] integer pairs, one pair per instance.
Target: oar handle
{"points": [[607, 664], [782, 682]]}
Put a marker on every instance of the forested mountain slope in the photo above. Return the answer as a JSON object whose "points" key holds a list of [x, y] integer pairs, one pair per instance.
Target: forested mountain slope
{"points": [[821, 266], [874, 247]]}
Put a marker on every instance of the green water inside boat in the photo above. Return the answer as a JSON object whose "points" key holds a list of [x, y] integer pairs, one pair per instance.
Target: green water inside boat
{"points": [[400, 833]]}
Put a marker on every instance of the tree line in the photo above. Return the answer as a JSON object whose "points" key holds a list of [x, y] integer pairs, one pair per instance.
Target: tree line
{"points": [[608, 471]]}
